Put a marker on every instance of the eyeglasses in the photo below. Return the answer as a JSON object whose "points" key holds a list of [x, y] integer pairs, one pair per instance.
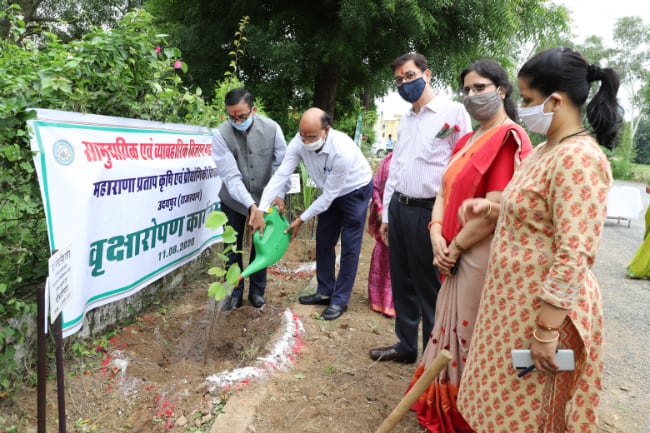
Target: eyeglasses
{"points": [[241, 117], [477, 88], [408, 76]]}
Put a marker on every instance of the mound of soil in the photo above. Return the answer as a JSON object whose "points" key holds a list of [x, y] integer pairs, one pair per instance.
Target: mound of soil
{"points": [[149, 376]]}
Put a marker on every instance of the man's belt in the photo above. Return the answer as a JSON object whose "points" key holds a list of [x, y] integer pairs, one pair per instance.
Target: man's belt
{"points": [[426, 203]]}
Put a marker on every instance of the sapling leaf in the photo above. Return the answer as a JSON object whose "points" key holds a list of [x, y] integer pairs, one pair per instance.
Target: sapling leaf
{"points": [[229, 235], [215, 289], [232, 276], [216, 270], [216, 219], [222, 257]]}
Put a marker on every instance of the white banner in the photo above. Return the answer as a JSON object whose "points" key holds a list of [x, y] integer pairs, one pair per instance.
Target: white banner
{"points": [[128, 197]]}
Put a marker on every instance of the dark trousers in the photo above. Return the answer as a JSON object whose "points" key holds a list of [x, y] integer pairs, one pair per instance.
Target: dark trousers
{"points": [[257, 281], [345, 218], [414, 279]]}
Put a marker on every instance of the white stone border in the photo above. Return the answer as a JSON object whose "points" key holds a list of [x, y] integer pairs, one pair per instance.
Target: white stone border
{"points": [[280, 357]]}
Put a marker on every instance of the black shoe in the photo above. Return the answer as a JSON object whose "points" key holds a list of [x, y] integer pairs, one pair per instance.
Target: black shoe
{"points": [[256, 301], [314, 299], [232, 302], [391, 354], [333, 312]]}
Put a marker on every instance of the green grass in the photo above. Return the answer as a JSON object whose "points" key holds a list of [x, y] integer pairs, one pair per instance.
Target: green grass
{"points": [[641, 173]]}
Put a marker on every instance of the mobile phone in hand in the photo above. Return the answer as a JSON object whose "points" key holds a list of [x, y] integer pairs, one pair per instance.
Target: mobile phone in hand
{"points": [[564, 358]]}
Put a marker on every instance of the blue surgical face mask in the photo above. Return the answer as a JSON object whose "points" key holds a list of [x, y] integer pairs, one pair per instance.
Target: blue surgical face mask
{"points": [[243, 126], [411, 91]]}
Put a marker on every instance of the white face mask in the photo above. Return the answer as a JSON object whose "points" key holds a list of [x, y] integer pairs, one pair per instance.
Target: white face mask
{"points": [[535, 119], [314, 145]]}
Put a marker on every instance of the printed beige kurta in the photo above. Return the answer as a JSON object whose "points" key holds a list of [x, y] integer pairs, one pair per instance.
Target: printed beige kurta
{"points": [[544, 246]]}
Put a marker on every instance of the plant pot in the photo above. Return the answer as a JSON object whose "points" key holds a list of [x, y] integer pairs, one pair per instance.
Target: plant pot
{"points": [[647, 189]]}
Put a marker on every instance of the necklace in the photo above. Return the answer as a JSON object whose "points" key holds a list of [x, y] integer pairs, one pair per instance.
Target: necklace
{"points": [[578, 132], [548, 145]]}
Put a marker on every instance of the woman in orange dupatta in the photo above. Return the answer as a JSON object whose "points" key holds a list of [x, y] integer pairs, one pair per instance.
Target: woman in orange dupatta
{"points": [[481, 165]]}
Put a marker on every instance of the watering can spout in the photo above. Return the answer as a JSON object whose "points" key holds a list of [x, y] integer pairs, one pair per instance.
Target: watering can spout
{"points": [[270, 247]]}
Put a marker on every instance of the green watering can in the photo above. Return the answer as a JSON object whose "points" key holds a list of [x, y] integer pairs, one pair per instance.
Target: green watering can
{"points": [[270, 247]]}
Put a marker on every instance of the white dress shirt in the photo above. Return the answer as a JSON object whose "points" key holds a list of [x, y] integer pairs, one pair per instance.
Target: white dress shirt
{"points": [[229, 172], [420, 158], [339, 168]]}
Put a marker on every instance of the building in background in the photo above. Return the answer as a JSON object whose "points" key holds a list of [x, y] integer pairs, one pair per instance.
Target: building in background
{"points": [[385, 126]]}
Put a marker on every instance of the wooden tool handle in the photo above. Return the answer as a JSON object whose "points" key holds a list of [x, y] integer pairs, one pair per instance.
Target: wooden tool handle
{"points": [[423, 382]]}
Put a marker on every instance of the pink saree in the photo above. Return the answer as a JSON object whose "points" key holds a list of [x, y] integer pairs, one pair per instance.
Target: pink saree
{"points": [[380, 296]]}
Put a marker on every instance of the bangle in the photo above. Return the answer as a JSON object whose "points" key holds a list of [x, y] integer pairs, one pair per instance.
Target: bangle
{"points": [[432, 222], [489, 209], [552, 340], [546, 327], [458, 246]]}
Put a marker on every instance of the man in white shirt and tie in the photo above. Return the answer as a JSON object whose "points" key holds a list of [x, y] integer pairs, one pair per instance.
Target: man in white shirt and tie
{"points": [[337, 166]]}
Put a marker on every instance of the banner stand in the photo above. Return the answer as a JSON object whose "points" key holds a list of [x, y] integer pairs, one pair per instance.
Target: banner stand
{"points": [[41, 404], [41, 374], [60, 372]]}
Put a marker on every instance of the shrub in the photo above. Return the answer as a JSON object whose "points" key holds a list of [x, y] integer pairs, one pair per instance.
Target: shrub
{"points": [[128, 71]]}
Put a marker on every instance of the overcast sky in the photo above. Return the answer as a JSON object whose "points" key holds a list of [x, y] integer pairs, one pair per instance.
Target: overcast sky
{"points": [[597, 17], [590, 17]]}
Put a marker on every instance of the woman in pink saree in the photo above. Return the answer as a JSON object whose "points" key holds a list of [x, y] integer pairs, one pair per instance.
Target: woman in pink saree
{"points": [[380, 295]]}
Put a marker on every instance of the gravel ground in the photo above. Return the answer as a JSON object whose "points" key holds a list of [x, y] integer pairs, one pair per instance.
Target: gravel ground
{"points": [[626, 398]]}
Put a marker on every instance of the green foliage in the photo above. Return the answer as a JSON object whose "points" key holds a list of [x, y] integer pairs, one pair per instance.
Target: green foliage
{"points": [[641, 173], [623, 155], [118, 73], [630, 57], [237, 51], [75, 18], [308, 189], [643, 142], [301, 53]]}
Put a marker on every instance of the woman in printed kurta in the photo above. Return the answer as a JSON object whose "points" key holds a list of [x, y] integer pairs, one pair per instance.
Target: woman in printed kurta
{"points": [[540, 292], [481, 165], [380, 294]]}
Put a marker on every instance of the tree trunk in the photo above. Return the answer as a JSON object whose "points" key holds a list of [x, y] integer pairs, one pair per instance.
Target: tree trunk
{"points": [[325, 85], [28, 10], [365, 100]]}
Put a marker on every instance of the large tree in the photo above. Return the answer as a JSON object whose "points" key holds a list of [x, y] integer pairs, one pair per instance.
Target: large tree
{"points": [[631, 59], [331, 53], [70, 19]]}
